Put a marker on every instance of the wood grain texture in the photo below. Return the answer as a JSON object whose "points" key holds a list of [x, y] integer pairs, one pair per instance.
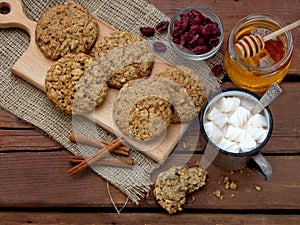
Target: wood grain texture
{"points": [[24, 140], [9, 121], [40, 179], [37, 182], [77, 218]]}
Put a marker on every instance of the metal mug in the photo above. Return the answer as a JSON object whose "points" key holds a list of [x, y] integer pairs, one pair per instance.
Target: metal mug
{"points": [[235, 161]]}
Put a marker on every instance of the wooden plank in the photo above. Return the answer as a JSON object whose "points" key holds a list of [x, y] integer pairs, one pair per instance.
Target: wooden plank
{"points": [[33, 179], [41, 180], [18, 218], [231, 12], [9, 121], [16, 140]]}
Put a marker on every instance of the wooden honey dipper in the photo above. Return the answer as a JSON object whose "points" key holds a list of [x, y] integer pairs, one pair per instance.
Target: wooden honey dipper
{"points": [[250, 45]]}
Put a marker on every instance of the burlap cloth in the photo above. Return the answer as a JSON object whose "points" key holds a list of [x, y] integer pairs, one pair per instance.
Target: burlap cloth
{"points": [[31, 104]]}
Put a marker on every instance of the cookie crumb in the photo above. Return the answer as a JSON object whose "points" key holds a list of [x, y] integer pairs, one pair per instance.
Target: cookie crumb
{"points": [[193, 198], [228, 184], [185, 145], [258, 188], [218, 194], [233, 185]]}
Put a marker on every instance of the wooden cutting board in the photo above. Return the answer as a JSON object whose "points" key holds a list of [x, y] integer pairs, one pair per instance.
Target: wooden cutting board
{"points": [[32, 67]]}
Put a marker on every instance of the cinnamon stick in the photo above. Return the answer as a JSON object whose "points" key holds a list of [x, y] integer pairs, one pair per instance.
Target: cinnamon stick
{"points": [[120, 162], [121, 150], [84, 164]]}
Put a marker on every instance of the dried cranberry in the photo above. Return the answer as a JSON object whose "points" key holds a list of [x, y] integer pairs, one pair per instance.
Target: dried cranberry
{"points": [[207, 30], [177, 32], [195, 29], [185, 21], [216, 29], [194, 40], [213, 42], [182, 40], [177, 23], [198, 17], [217, 70], [159, 46], [147, 31], [176, 41], [162, 26], [207, 21], [201, 49]]}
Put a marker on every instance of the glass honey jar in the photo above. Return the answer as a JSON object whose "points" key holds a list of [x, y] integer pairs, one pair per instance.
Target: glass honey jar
{"points": [[269, 65]]}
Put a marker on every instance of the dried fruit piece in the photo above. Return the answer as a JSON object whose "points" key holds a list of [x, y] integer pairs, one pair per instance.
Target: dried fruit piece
{"points": [[162, 26], [159, 46], [217, 70], [201, 49], [147, 31]]}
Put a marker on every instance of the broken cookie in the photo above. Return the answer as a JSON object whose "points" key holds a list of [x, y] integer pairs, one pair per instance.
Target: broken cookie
{"points": [[173, 185]]}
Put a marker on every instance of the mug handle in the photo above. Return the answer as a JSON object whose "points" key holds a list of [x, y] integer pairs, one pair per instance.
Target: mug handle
{"points": [[265, 168]]}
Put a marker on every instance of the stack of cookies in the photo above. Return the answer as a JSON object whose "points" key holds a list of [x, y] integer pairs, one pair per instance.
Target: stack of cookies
{"points": [[144, 108], [86, 67]]}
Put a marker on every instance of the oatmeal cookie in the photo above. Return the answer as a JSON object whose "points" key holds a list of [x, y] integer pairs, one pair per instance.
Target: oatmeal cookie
{"points": [[173, 185], [66, 28], [74, 84], [192, 85], [142, 110], [142, 55]]}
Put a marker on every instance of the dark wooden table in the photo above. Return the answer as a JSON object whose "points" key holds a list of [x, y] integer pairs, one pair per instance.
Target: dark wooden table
{"points": [[35, 188]]}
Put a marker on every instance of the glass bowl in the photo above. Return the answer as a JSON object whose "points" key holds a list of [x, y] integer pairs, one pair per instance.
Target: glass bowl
{"points": [[185, 51]]}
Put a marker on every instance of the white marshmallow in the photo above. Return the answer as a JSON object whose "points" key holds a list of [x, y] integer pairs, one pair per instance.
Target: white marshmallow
{"points": [[235, 133], [217, 117], [258, 120], [229, 146], [239, 117], [229, 104], [257, 133], [262, 137], [213, 132], [247, 144]]}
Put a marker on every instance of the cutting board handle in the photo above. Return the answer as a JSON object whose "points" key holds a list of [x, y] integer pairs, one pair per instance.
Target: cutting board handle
{"points": [[13, 15]]}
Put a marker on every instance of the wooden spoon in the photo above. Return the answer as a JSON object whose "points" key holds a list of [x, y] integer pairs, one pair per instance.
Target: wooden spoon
{"points": [[250, 45]]}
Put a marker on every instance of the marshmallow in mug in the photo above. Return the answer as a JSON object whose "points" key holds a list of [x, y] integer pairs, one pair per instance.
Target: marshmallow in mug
{"points": [[233, 128]]}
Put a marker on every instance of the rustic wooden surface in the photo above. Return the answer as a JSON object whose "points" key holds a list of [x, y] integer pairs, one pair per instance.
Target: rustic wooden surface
{"points": [[36, 189]]}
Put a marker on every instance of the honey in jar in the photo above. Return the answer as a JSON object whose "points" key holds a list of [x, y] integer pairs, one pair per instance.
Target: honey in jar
{"points": [[269, 65]]}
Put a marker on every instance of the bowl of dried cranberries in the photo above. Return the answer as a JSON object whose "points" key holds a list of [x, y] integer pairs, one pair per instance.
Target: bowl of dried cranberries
{"points": [[196, 33]]}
